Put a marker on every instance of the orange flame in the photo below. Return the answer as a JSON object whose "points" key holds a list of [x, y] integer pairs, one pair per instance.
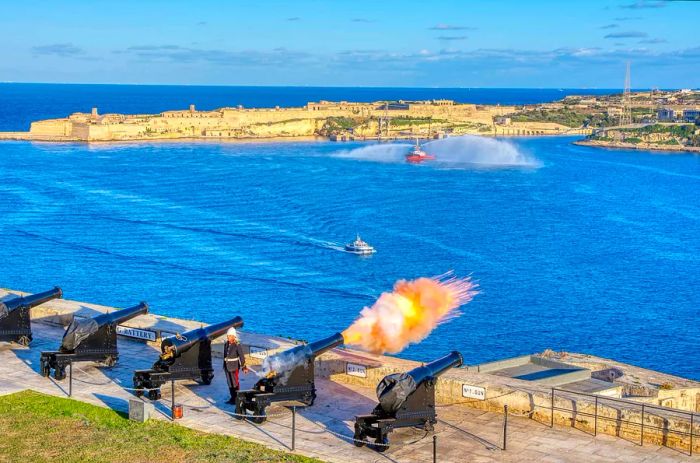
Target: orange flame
{"points": [[409, 313]]}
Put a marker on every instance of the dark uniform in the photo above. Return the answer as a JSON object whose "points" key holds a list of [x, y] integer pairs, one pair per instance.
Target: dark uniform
{"points": [[234, 360]]}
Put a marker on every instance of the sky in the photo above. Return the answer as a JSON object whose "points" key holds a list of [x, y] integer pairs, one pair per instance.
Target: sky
{"points": [[438, 43]]}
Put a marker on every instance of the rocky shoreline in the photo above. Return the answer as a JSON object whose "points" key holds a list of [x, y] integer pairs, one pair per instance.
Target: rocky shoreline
{"points": [[637, 146]]}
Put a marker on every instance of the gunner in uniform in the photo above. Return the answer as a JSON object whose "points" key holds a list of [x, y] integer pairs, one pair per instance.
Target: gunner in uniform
{"points": [[234, 360]]}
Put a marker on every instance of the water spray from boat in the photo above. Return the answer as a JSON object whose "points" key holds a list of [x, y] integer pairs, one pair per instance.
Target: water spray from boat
{"points": [[466, 151]]}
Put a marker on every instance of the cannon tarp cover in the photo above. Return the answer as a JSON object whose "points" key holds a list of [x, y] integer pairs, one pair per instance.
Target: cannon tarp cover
{"points": [[77, 331], [4, 312], [393, 390]]}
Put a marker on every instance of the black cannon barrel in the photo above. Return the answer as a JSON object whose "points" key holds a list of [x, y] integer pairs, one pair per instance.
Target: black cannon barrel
{"points": [[30, 301], [81, 329], [436, 367], [318, 347], [176, 345], [326, 344], [122, 315], [394, 389]]}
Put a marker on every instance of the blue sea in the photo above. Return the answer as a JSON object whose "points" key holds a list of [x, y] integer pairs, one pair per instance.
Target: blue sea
{"points": [[574, 248]]}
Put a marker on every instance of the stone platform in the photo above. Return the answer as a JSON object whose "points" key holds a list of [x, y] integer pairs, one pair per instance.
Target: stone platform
{"points": [[324, 430]]}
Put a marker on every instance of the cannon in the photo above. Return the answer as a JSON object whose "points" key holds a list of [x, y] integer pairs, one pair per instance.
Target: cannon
{"points": [[89, 339], [405, 400], [15, 322], [290, 376], [183, 356]]}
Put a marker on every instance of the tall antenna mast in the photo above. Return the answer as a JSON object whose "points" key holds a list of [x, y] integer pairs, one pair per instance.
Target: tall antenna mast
{"points": [[626, 115], [386, 117]]}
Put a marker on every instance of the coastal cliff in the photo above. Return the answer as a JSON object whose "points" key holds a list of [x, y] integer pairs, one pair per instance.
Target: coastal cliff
{"points": [[652, 137]]}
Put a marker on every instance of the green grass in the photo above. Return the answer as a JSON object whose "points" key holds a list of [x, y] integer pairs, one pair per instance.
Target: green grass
{"points": [[285, 121], [568, 117], [685, 130], [675, 134], [404, 121], [342, 123], [40, 428]]}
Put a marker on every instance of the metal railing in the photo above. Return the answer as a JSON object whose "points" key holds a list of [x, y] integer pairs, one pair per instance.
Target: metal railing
{"points": [[598, 403], [581, 406]]}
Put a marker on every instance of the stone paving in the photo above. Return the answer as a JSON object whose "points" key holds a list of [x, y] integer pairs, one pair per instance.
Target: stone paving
{"points": [[322, 431]]}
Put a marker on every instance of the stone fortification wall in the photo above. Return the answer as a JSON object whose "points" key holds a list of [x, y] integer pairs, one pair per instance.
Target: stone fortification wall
{"points": [[51, 128], [14, 136], [538, 128], [644, 385]]}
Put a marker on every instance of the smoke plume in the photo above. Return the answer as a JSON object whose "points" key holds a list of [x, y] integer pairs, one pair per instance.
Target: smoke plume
{"points": [[282, 364]]}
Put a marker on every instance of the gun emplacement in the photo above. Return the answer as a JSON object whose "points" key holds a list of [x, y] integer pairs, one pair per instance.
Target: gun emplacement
{"points": [[89, 339], [405, 399], [183, 356], [15, 320], [290, 376]]}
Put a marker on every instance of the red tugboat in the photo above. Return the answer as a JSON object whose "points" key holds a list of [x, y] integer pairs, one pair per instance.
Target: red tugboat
{"points": [[418, 155]]}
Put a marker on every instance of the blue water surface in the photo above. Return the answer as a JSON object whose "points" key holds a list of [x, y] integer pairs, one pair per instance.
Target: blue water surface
{"points": [[587, 250]]}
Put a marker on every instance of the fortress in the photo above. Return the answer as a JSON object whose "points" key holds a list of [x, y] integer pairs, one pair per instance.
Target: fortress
{"points": [[336, 120]]}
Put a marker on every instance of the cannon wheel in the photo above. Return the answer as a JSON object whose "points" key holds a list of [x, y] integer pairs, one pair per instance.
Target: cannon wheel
{"points": [[154, 394], [45, 369], [110, 361], [240, 410], [381, 444], [359, 438], [310, 399], [24, 341], [59, 373], [260, 415]]}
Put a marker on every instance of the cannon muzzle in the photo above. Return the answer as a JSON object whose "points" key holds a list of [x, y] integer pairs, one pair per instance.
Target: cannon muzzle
{"points": [[436, 367], [79, 330], [120, 316], [176, 345], [394, 389], [28, 302]]}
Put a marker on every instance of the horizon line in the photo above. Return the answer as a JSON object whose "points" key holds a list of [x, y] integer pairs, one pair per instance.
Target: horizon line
{"points": [[340, 86]]}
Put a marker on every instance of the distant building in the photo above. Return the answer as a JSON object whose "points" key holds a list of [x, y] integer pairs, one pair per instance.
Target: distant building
{"points": [[666, 114], [443, 102], [502, 120], [394, 107], [691, 115]]}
